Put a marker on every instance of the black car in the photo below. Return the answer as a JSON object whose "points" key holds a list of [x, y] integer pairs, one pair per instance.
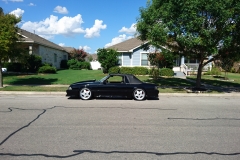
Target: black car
{"points": [[113, 85]]}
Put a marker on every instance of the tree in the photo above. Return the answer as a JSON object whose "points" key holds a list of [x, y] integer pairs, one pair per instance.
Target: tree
{"points": [[78, 54], [192, 28], [8, 38], [161, 59], [108, 58]]}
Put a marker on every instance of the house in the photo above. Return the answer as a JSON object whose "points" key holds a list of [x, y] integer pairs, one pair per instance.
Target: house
{"points": [[50, 52], [131, 55]]}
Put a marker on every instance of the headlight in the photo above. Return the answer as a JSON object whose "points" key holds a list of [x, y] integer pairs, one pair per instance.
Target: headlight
{"points": [[156, 87], [69, 88]]}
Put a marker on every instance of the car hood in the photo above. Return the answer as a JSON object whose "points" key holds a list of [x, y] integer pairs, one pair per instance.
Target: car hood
{"points": [[84, 82]]}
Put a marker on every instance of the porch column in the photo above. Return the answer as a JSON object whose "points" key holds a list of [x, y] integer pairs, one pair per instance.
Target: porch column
{"points": [[182, 60]]}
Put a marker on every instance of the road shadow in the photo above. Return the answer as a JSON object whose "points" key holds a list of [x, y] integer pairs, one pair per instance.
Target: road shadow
{"points": [[111, 98]]}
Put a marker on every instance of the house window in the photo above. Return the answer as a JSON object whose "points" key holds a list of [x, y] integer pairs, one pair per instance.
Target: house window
{"points": [[120, 60], [55, 57], [144, 59], [64, 57]]}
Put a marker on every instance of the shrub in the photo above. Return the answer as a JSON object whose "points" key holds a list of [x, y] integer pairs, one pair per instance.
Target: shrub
{"points": [[166, 72], [154, 72], [140, 70], [47, 69], [84, 65], [13, 67], [115, 69], [64, 64], [33, 63], [126, 70], [75, 64], [215, 71]]}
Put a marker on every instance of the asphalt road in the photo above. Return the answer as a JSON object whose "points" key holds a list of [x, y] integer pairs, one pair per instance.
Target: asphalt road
{"points": [[53, 127]]}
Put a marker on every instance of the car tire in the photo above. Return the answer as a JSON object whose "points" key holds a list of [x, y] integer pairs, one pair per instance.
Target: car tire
{"points": [[139, 94], [85, 94]]}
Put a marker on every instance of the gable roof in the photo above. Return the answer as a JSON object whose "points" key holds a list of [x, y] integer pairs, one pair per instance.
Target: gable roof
{"points": [[29, 37], [128, 45], [68, 49]]}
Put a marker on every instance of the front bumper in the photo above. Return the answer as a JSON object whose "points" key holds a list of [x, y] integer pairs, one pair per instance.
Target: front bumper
{"points": [[72, 93]]}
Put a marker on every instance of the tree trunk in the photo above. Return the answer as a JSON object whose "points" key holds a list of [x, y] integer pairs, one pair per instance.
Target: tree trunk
{"points": [[1, 76], [199, 74]]}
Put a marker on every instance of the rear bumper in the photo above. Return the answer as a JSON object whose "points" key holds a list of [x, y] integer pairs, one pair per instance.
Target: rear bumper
{"points": [[153, 93]]}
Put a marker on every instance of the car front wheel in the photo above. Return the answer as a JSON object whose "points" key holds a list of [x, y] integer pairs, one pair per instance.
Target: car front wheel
{"points": [[139, 94], [85, 93]]}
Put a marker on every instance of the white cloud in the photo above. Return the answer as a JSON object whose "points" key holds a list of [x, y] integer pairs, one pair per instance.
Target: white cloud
{"points": [[61, 10], [32, 4], [131, 30], [95, 30], [85, 48], [18, 12], [67, 26], [61, 44], [118, 39]]}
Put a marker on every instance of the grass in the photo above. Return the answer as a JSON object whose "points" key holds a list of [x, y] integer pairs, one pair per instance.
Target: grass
{"points": [[61, 77], [219, 81], [27, 82]]}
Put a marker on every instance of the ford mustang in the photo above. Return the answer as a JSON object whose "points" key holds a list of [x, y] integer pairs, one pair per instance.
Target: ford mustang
{"points": [[113, 85]]}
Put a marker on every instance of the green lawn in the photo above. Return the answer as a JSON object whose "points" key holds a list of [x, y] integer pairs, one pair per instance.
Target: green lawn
{"points": [[66, 77], [61, 77], [219, 81]]}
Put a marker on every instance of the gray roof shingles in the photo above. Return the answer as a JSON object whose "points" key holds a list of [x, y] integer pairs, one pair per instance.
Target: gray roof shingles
{"points": [[127, 45], [34, 38]]}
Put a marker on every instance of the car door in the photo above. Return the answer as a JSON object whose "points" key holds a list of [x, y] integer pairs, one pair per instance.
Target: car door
{"points": [[114, 86]]}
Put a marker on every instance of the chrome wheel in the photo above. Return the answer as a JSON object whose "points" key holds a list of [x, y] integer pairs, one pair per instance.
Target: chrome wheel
{"points": [[85, 93], [139, 94]]}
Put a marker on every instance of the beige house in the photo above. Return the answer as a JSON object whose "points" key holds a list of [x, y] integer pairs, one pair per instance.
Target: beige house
{"points": [[50, 52]]}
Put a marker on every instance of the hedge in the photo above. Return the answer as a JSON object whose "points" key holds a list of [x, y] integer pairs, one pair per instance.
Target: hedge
{"points": [[166, 72], [47, 69]]}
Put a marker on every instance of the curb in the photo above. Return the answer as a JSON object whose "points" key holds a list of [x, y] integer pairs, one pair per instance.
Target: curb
{"points": [[160, 94]]}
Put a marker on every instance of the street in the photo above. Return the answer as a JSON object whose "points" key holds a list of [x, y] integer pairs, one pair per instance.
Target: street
{"points": [[39, 127]]}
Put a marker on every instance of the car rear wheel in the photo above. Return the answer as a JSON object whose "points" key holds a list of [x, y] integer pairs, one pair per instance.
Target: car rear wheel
{"points": [[139, 94], [85, 93]]}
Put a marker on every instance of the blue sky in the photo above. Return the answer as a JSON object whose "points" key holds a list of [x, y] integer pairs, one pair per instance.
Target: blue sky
{"points": [[87, 24]]}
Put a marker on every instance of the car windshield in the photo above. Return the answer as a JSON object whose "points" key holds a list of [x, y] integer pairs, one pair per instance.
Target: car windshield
{"points": [[103, 79]]}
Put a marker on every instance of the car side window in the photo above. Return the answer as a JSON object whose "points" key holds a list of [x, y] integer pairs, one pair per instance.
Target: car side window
{"points": [[115, 79]]}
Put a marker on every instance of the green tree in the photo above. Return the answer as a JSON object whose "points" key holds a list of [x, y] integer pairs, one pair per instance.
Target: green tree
{"points": [[192, 28], [161, 59], [8, 38], [108, 58]]}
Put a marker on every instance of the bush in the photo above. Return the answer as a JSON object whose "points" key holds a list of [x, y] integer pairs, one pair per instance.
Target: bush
{"points": [[13, 67], [115, 69], [126, 70], [75, 64], [154, 72], [140, 70], [215, 71], [84, 65], [166, 72], [33, 63], [47, 69], [64, 64]]}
